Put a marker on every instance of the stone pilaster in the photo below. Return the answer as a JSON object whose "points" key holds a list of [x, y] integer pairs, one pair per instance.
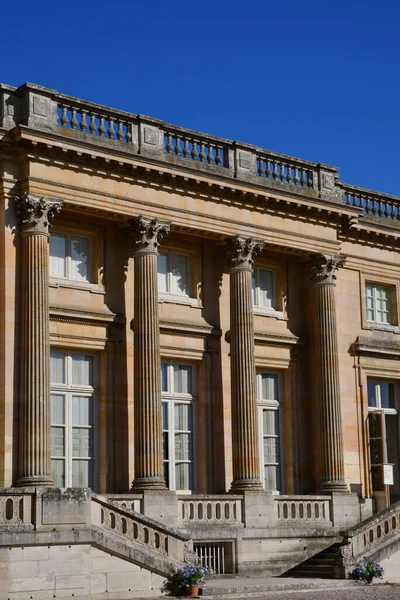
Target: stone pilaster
{"points": [[146, 235], [246, 467], [34, 455], [331, 462]]}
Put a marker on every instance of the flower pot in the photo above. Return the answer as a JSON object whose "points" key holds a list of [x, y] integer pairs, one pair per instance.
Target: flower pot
{"points": [[369, 579], [192, 590]]}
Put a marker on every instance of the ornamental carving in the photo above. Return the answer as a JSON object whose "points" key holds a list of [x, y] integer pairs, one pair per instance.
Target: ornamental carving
{"points": [[147, 233], [240, 251], [323, 268], [36, 212]]}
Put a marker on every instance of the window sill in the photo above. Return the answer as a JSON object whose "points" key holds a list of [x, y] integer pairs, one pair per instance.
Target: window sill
{"points": [[186, 300], [93, 288], [371, 326], [269, 312]]}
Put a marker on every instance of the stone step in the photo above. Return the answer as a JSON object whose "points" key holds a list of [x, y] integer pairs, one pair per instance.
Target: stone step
{"points": [[226, 587]]}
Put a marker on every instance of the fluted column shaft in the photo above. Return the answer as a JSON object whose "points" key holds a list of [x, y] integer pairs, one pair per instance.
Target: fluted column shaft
{"points": [[34, 456], [331, 460], [245, 444], [147, 363]]}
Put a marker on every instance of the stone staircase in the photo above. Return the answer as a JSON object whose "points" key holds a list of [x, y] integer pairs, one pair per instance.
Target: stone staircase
{"points": [[322, 565]]}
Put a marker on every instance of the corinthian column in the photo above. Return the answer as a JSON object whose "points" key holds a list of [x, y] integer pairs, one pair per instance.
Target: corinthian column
{"points": [[146, 234], [246, 466], [34, 455], [331, 465]]}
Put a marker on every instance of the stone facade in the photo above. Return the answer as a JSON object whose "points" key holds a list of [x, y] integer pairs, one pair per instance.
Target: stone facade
{"points": [[218, 316]]}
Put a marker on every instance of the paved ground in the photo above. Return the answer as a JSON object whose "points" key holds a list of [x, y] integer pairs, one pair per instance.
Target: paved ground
{"points": [[362, 592]]}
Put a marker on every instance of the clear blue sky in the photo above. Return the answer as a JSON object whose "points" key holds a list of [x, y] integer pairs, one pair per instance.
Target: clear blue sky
{"points": [[314, 79]]}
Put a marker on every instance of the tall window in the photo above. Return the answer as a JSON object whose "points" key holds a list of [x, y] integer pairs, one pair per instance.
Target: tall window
{"points": [[178, 425], [72, 419], [263, 288], [70, 257], [173, 274], [383, 430], [269, 420], [378, 303]]}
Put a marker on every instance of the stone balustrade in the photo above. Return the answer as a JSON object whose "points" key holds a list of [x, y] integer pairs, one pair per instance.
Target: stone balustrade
{"points": [[127, 501], [137, 529], [286, 169], [372, 204], [304, 510], [369, 537], [15, 507], [224, 510], [195, 147]]}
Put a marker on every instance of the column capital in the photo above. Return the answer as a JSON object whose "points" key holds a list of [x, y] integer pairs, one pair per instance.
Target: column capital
{"points": [[240, 251], [36, 212], [146, 234], [322, 268]]}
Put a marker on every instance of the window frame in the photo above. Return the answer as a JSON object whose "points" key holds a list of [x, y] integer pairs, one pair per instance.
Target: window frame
{"points": [[373, 278], [171, 398], [375, 287], [68, 390], [278, 309], [193, 255], [276, 405]]}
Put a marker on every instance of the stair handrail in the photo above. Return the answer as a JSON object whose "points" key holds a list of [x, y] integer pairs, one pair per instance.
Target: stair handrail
{"points": [[370, 535]]}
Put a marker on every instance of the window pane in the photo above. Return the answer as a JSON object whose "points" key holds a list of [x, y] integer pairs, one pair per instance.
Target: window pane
{"points": [[58, 472], [375, 425], [265, 284], [82, 442], [253, 288], [270, 422], [165, 438], [57, 367], [162, 272], [57, 256], [377, 479], [82, 473], [182, 379], [372, 394], [269, 387], [183, 476], [164, 377], [183, 446], [272, 477], [164, 414], [82, 368], [57, 409], [82, 410], [183, 417], [178, 266], [271, 450], [79, 258], [58, 441]]}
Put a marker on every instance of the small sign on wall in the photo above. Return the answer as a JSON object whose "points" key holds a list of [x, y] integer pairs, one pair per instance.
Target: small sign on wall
{"points": [[388, 475]]}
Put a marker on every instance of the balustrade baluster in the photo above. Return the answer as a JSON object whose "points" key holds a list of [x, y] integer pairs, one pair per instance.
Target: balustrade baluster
{"points": [[129, 133], [74, 120], [261, 168], [178, 147], [186, 151], [388, 212], [218, 157], [83, 120], [102, 127], [303, 178], [296, 179], [289, 173], [195, 154], [210, 157], [111, 130], [169, 147], [310, 179], [202, 152], [268, 171], [275, 173], [381, 208], [120, 130], [64, 117], [282, 174], [93, 125]]}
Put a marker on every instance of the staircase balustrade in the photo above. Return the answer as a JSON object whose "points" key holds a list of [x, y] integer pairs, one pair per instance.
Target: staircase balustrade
{"points": [[217, 509], [303, 510], [15, 508]]}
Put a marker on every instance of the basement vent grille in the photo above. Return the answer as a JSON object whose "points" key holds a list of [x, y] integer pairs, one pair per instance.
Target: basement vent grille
{"points": [[217, 555]]}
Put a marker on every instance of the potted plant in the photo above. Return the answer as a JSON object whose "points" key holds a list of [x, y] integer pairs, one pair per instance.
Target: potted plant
{"points": [[187, 580], [367, 570]]}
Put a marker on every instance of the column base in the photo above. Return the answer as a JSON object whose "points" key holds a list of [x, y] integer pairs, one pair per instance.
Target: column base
{"points": [[246, 485], [142, 484], [334, 485], [35, 481]]}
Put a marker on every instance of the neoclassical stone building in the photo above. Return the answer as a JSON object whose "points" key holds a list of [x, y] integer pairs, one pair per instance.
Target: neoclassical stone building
{"points": [[196, 329]]}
